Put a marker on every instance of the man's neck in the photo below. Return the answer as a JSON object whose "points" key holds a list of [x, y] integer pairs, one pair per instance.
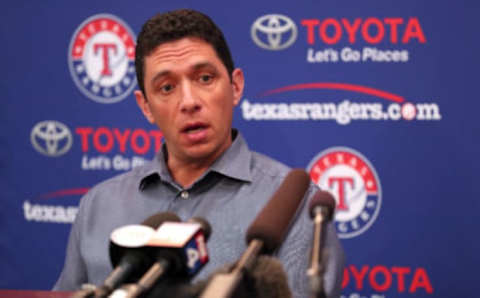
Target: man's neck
{"points": [[186, 174]]}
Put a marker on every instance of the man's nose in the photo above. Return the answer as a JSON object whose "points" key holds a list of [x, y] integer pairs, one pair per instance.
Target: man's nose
{"points": [[189, 102]]}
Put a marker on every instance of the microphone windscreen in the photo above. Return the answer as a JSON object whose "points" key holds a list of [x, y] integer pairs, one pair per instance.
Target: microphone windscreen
{"points": [[158, 219], [154, 221], [206, 227], [265, 279], [322, 199], [269, 277], [271, 224]]}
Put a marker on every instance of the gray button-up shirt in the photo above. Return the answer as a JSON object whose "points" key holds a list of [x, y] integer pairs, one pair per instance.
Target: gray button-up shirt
{"points": [[229, 196]]}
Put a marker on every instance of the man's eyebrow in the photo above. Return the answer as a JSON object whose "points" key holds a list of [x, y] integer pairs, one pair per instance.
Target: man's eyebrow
{"points": [[159, 75], [195, 67], [204, 65]]}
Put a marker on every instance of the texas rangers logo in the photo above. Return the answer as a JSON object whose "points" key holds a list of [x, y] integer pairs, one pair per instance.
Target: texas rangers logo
{"points": [[354, 183], [101, 58]]}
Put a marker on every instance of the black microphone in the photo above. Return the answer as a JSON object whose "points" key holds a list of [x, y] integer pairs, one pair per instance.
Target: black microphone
{"points": [[128, 261], [128, 255], [179, 251], [266, 232], [321, 210]]}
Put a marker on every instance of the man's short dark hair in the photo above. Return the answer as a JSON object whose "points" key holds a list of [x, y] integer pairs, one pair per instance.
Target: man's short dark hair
{"points": [[175, 25]]}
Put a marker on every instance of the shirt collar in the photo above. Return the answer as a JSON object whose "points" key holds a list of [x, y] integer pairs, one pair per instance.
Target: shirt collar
{"points": [[233, 163]]}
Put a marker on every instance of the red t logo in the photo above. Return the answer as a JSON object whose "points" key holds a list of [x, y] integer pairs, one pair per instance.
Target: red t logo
{"points": [[342, 204], [105, 47]]}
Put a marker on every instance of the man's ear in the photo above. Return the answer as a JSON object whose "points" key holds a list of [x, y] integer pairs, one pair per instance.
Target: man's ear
{"points": [[144, 106], [238, 82]]}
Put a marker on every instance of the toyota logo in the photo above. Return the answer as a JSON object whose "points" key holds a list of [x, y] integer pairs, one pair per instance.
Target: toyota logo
{"points": [[274, 32], [51, 138]]}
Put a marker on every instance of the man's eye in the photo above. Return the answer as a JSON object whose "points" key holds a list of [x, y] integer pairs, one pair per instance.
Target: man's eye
{"points": [[205, 78], [166, 88]]}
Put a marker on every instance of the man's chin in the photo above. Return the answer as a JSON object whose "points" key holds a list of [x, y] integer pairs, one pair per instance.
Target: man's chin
{"points": [[203, 153]]}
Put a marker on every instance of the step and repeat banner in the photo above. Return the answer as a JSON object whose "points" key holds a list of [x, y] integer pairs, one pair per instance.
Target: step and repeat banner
{"points": [[377, 100]]}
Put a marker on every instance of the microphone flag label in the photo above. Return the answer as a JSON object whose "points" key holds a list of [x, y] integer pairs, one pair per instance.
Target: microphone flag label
{"points": [[174, 234], [354, 183], [196, 253], [132, 235], [188, 237]]}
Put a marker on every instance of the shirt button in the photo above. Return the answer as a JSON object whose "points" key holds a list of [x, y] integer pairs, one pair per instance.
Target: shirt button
{"points": [[184, 194]]}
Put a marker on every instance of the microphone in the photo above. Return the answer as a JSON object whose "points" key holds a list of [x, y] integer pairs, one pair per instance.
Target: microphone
{"points": [[321, 210], [126, 255], [265, 279], [266, 232], [269, 278], [179, 250]]}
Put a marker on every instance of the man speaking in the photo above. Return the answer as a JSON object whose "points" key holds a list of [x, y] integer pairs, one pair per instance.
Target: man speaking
{"points": [[189, 88]]}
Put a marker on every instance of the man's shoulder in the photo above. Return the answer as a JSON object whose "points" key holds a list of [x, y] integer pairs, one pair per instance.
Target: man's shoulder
{"points": [[268, 167]]}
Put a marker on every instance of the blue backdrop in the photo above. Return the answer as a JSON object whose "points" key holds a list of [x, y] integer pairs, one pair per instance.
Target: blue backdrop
{"points": [[376, 99]]}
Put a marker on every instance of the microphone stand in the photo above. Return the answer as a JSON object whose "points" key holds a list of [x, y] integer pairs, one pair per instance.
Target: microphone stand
{"points": [[316, 270], [224, 285]]}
